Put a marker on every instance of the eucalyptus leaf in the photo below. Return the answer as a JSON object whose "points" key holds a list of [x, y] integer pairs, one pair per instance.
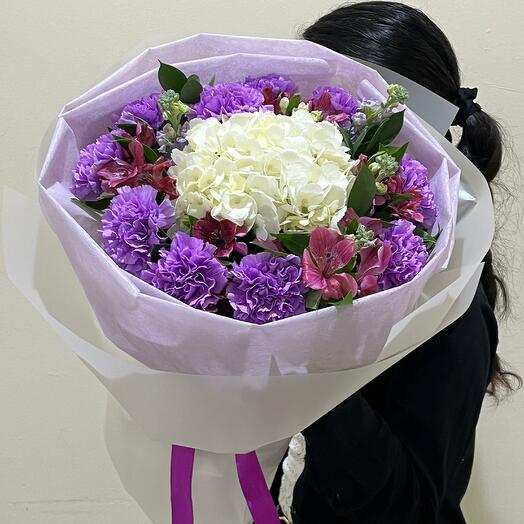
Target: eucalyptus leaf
{"points": [[171, 78], [294, 242], [363, 191]]}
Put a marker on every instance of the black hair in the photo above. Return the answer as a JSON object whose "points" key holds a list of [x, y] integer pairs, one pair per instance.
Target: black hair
{"points": [[405, 40]]}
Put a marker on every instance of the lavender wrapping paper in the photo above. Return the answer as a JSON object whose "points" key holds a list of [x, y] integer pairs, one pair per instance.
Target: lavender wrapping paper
{"points": [[235, 387]]}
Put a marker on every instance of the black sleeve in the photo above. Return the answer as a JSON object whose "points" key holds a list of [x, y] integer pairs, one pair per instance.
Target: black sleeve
{"points": [[393, 466]]}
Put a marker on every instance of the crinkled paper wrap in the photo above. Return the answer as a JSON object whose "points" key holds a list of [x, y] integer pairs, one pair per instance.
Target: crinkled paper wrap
{"points": [[217, 384]]}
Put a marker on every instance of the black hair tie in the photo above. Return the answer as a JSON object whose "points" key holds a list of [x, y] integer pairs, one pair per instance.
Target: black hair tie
{"points": [[465, 101]]}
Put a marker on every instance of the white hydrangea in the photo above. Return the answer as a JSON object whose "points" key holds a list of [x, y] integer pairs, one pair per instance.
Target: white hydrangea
{"points": [[273, 172]]}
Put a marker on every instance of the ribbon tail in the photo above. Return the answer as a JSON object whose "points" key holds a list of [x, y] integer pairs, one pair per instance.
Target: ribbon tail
{"points": [[254, 487], [182, 460]]}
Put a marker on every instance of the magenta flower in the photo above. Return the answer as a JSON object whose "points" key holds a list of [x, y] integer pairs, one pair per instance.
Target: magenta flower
{"points": [[222, 234], [373, 262], [336, 104], [328, 253]]}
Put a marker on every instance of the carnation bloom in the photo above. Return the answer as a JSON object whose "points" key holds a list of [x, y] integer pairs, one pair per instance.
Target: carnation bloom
{"points": [[335, 103], [328, 253], [226, 99], [273, 87], [145, 108], [130, 226], [415, 176], [273, 172], [86, 184], [222, 234], [408, 254], [266, 287], [189, 272]]}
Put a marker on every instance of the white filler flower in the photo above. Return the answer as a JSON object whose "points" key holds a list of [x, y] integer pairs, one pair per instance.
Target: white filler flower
{"points": [[273, 172]]}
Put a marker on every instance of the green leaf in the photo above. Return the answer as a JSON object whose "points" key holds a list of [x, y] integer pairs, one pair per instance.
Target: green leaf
{"points": [[128, 128], [313, 298], [294, 242], [385, 133], [212, 80], [346, 135], [363, 191], [363, 139], [150, 155], [171, 78], [122, 140], [348, 299], [266, 248], [294, 102], [396, 152], [93, 208], [190, 92], [428, 239], [351, 228], [399, 198]]}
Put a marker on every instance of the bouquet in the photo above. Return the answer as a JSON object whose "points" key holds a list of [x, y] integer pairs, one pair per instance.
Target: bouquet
{"points": [[249, 200], [220, 241]]}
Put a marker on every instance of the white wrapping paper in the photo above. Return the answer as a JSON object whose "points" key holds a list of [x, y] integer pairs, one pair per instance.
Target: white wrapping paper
{"points": [[234, 387]]}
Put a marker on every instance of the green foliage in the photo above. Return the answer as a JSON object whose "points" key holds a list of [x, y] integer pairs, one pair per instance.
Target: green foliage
{"points": [[294, 242], [363, 191]]}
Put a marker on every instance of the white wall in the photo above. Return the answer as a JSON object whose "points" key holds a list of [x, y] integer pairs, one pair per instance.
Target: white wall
{"points": [[53, 463]]}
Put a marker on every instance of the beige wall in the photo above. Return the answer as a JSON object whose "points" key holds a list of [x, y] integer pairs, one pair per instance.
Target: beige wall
{"points": [[53, 463]]}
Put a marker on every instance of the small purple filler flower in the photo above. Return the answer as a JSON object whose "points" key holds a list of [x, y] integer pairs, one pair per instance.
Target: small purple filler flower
{"points": [[408, 254], [226, 99], [272, 86], [334, 101], [265, 288], [145, 108], [415, 176], [86, 185], [189, 272], [130, 226]]}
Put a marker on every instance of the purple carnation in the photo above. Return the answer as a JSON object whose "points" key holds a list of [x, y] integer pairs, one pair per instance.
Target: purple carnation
{"points": [[408, 254], [189, 272], [265, 288], [86, 184], [226, 99], [130, 226], [333, 101], [272, 86], [415, 176], [145, 108]]}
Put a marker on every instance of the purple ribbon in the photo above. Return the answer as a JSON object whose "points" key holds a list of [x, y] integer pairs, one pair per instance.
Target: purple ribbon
{"points": [[254, 487], [251, 479], [182, 459]]}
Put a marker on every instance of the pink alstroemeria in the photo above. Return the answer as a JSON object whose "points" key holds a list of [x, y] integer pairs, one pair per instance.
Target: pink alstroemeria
{"points": [[407, 209], [373, 224], [328, 253], [373, 261], [135, 171], [222, 234]]}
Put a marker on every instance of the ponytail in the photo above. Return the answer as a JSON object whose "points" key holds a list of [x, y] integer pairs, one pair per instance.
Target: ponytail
{"points": [[405, 40]]}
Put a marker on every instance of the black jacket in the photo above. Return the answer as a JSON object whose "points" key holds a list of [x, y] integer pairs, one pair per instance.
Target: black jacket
{"points": [[400, 450]]}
